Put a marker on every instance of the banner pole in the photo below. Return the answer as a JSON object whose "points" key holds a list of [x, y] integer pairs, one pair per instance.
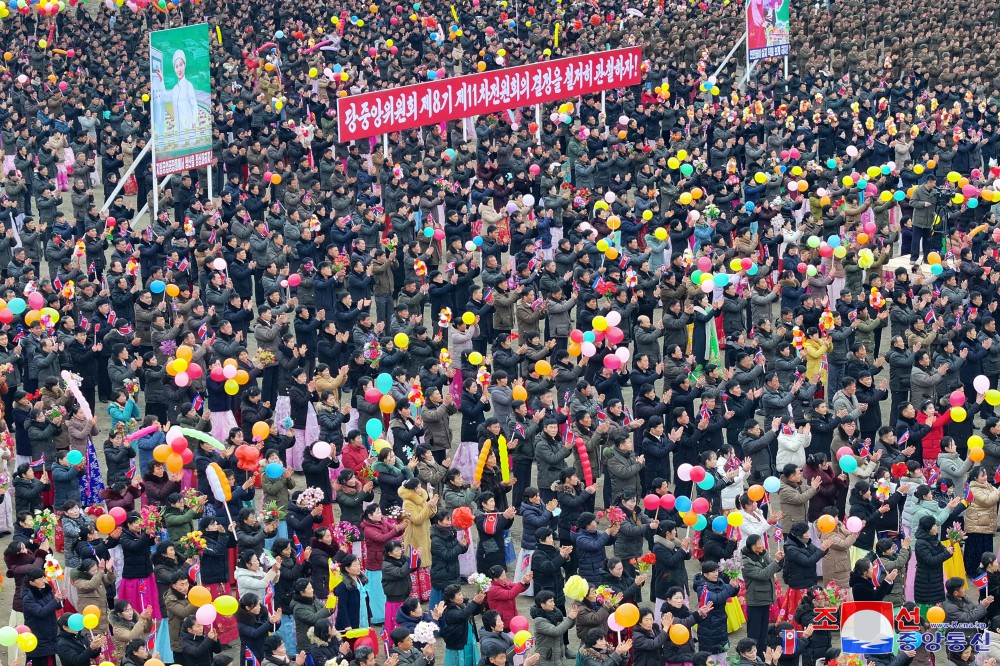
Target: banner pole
{"points": [[730, 54], [156, 181], [211, 177]]}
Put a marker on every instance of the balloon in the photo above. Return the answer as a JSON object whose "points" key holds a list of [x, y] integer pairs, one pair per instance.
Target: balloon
{"points": [[854, 524], [372, 395], [519, 393], [756, 492], [667, 502], [679, 634], [226, 605], [174, 463], [543, 367], [106, 524], [826, 524], [683, 504], [387, 404], [612, 362], [322, 450], [475, 358], [935, 615], [36, 300], [119, 515], [402, 340], [157, 286], [206, 614], [374, 428], [600, 323], [76, 622], [232, 388], [8, 636], [700, 522], [518, 623], [958, 414], [981, 383], [28, 641], [522, 637], [719, 524], [261, 430], [684, 473], [383, 382], [274, 470], [772, 484], [229, 371], [977, 455], [623, 354], [462, 518], [627, 615], [957, 398], [697, 473], [468, 318], [700, 505], [74, 458], [613, 624], [993, 397], [651, 502], [975, 442], [90, 621], [849, 464], [184, 352], [588, 349], [707, 483], [735, 519]]}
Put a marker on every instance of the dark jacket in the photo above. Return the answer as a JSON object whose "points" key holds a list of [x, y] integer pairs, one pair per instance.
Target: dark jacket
{"points": [[445, 549], [713, 634], [199, 650], [455, 631], [547, 566], [928, 581], [40, 608], [136, 548], [74, 649], [799, 566]]}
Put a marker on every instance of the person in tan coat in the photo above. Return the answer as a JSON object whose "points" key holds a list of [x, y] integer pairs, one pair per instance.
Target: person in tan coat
{"points": [[794, 496], [178, 607], [837, 563], [980, 517], [127, 624], [419, 510]]}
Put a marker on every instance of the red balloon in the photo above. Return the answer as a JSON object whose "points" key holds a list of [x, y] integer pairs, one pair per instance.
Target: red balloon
{"points": [[216, 374], [697, 473], [801, 268], [651, 502], [462, 518], [615, 335], [598, 336], [576, 335], [294, 280], [373, 395], [179, 445], [667, 502], [518, 623], [6, 316], [23, 629], [194, 371], [187, 456], [119, 514], [700, 505]]}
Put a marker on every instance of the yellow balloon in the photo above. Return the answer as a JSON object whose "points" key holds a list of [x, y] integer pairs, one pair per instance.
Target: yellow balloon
{"points": [[993, 397], [602, 245], [475, 358], [600, 323], [682, 154], [90, 621], [380, 444], [468, 318], [184, 352], [313, 72], [402, 340], [975, 442], [180, 365], [685, 198], [958, 414], [660, 233], [232, 387], [760, 177], [226, 605]]}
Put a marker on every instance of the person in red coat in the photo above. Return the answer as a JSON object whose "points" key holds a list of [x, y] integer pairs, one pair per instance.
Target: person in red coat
{"points": [[502, 595], [931, 442], [355, 453]]}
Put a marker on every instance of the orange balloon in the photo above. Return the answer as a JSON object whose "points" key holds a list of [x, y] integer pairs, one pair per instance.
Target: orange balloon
{"points": [[106, 524], [803, 185], [935, 615], [184, 352], [627, 615], [931, 164], [863, 238], [198, 596], [689, 518], [976, 454], [826, 524], [261, 430], [543, 367], [612, 253], [242, 377], [230, 362], [92, 610], [386, 404], [696, 193], [756, 492], [519, 393], [161, 452], [574, 349], [174, 463], [173, 290], [171, 370]]}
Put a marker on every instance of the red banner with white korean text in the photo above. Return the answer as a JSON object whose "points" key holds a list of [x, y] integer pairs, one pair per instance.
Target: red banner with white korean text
{"points": [[395, 109]]}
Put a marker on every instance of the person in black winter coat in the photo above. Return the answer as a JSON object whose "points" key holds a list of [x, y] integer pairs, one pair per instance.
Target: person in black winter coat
{"points": [[254, 624], [28, 489], [682, 614], [136, 544], [197, 645], [74, 648], [215, 558], [117, 456], [475, 404], [928, 581], [714, 587], [863, 586], [548, 564], [868, 510], [648, 640], [458, 614], [446, 546], [591, 546], [801, 556], [40, 605], [715, 544]]}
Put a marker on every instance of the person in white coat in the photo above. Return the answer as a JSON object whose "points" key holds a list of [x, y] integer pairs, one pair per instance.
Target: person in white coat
{"points": [[754, 521], [730, 494], [792, 443]]}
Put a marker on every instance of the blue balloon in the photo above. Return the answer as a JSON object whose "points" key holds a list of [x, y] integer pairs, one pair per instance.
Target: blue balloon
{"points": [[701, 523], [831, 164], [384, 382], [886, 170], [683, 504], [354, 19], [478, 241], [848, 464], [833, 241], [17, 305], [589, 336], [772, 484], [721, 279], [274, 470], [937, 269], [750, 206], [432, 75], [862, 184], [719, 523], [899, 195], [972, 203], [279, 35], [782, 168], [753, 270], [429, 232], [374, 428], [76, 622], [337, 68], [708, 482], [157, 286], [74, 458]]}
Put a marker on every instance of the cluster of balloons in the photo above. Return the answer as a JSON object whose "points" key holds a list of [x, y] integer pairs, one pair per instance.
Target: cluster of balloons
{"points": [[88, 619], [477, 242], [38, 312], [625, 616], [175, 453], [110, 521], [182, 369], [375, 431], [435, 233], [379, 393], [605, 327], [209, 610], [680, 163], [827, 524], [688, 198], [231, 373], [845, 458], [159, 286], [20, 635]]}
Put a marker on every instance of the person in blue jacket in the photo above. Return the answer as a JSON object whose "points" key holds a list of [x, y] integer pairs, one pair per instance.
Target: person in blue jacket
{"points": [[40, 605], [713, 587]]}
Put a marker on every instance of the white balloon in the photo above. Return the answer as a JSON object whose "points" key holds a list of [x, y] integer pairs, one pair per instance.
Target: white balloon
{"points": [[610, 197], [588, 349], [623, 120], [694, 215], [529, 200], [623, 354]]}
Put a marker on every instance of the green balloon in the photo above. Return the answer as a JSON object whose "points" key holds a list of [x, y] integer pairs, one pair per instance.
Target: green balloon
{"points": [[8, 636], [696, 276], [813, 241], [687, 169]]}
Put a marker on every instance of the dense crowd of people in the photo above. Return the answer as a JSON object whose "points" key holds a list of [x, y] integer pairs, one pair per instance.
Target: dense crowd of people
{"points": [[693, 359]]}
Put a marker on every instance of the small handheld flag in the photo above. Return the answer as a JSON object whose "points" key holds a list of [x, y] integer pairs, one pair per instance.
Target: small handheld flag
{"points": [[703, 597], [300, 555], [877, 571], [981, 581], [414, 558], [249, 658], [779, 534], [789, 642]]}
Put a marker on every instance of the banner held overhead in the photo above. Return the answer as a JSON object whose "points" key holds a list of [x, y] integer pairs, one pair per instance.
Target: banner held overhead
{"points": [[421, 104], [768, 29], [181, 98]]}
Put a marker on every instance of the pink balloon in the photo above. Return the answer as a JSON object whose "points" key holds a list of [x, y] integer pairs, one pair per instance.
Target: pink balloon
{"points": [[615, 335], [294, 280], [206, 614], [697, 473], [534, 170], [870, 228], [36, 301], [612, 362], [614, 318], [267, 176], [667, 502], [704, 264], [825, 250], [321, 450], [970, 191], [684, 472], [957, 398], [219, 264], [439, 234], [284, 284], [599, 336], [623, 354], [194, 371], [794, 153], [216, 374], [651, 502], [229, 371], [854, 524], [844, 451], [613, 623], [700, 505], [518, 623], [182, 379]]}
